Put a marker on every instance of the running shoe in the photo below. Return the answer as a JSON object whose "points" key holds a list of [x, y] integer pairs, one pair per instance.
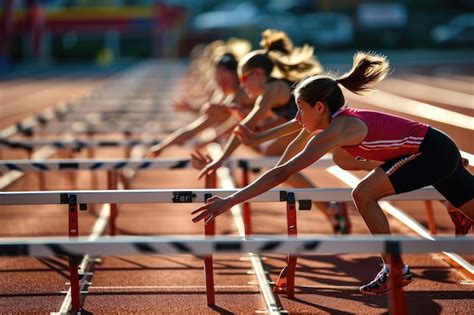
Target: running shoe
{"points": [[381, 283], [462, 224], [342, 222]]}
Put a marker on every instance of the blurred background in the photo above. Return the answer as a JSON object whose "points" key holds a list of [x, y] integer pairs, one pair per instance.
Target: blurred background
{"points": [[104, 32]]}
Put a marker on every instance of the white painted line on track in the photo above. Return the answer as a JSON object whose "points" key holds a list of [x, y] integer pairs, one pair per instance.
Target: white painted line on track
{"points": [[168, 287], [98, 229], [225, 180], [416, 108]]}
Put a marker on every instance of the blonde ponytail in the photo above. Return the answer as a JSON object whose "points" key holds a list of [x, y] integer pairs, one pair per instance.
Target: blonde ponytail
{"points": [[273, 40]]}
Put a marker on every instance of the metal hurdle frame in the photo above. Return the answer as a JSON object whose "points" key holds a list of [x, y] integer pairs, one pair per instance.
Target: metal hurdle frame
{"points": [[248, 165], [81, 198], [389, 245], [285, 282]]}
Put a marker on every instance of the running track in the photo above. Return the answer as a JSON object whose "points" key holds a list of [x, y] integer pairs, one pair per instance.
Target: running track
{"points": [[175, 284]]}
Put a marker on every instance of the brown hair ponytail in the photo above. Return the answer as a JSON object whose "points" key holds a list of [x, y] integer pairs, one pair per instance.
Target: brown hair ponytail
{"points": [[367, 69], [278, 57]]}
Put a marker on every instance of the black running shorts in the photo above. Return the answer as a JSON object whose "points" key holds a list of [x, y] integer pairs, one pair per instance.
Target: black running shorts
{"points": [[437, 163]]}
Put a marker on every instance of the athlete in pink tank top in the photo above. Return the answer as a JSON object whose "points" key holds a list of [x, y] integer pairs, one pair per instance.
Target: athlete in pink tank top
{"points": [[388, 136], [414, 155]]}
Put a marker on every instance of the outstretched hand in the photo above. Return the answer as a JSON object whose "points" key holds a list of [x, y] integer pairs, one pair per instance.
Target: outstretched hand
{"points": [[245, 135], [199, 160], [153, 152], [210, 167], [215, 206], [204, 163]]}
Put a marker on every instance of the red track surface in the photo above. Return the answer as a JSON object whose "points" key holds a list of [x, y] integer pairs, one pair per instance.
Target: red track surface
{"points": [[175, 284]]}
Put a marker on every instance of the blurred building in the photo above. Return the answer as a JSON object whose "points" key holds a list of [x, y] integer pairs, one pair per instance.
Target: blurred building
{"points": [[104, 30]]}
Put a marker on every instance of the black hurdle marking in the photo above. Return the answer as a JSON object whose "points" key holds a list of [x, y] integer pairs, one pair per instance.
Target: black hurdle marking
{"points": [[180, 164], [145, 248], [12, 167], [183, 196], [227, 246], [14, 250], [270, 246], [120, 165], [40, 166], [67, 165], [145, 165], [311, 245], [181, 247], [96, 166]]}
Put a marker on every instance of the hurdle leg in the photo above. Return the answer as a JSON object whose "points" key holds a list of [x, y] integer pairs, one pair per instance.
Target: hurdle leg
{"points": [[210, 230], [247, 216], [396, 294], [71, 176], [41, 181], [41, 176], [73, 266], [286, 279], [430, 216], [29, 155], [124, 179], [90, 155], [128, 149], [93, 175], [112, 185]]}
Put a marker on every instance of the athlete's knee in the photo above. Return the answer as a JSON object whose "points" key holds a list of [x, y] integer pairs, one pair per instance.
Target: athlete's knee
{"points": [[361, 195]]}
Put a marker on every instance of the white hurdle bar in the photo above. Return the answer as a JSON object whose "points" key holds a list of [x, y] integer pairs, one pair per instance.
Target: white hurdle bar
{"points": [[200, 245], [193, 196], [40, 120], [116, 127], [136, 164], [75, 144]]}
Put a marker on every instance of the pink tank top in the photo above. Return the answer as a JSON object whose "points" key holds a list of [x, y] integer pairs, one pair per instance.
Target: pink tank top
{"points": [[388, 136]]}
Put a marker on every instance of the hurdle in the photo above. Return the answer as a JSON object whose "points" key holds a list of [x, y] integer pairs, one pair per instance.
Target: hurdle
{"points": [[27, 125], [116, 166], [263, 244], [81, 199], [389, 245], [94, 128], [73, 144]]}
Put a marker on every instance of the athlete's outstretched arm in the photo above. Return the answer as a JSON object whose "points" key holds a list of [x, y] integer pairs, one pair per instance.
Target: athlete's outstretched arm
{"points": [[296, 146], [274, 95], [336, 135], [250, 138]]}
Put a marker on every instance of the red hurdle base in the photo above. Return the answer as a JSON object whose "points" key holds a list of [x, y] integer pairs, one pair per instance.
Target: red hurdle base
{"points": [[286, 279], [210, 230], [73, 267]]}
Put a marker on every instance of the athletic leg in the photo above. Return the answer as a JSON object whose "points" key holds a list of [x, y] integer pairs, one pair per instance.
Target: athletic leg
{"points": [[373, 187]]}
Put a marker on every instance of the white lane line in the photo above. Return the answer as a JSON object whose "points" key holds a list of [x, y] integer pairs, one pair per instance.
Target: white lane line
{"points": [[429, 93], [225, 179], [415, 108], [168, 287], [86, 263]]}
